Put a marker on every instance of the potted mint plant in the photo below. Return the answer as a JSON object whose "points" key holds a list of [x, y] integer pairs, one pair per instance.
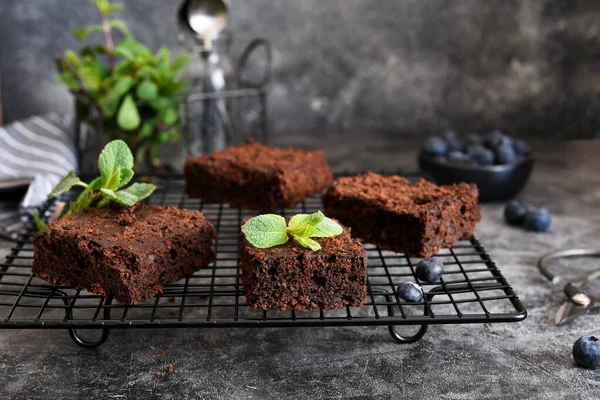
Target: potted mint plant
{"points": [[132, 93]]}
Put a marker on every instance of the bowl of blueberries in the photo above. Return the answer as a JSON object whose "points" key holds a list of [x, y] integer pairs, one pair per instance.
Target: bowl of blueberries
{"points": [[498, 164]]}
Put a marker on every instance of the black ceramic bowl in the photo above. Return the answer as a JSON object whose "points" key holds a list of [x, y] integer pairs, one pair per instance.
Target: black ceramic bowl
{"points": [[495, 182]]}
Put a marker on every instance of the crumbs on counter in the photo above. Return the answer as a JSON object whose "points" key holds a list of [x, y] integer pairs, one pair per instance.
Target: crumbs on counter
{"points": [[170, 369], [44, 367]]}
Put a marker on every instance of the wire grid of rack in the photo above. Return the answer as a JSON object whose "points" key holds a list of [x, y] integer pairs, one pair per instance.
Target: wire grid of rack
{"points": [[472, 290]]}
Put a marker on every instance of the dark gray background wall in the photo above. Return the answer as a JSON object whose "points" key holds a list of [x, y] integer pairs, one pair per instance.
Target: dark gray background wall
{"points": [[410, 67]]}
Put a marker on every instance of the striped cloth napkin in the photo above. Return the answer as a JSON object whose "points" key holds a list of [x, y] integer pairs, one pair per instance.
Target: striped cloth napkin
{"points": [[40, 148]]}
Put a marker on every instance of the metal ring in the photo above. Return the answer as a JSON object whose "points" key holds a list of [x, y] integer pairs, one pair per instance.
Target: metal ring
{"points": [[544, 260]]}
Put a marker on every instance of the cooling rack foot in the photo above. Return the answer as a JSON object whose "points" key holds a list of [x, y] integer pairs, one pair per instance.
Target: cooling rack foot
{"points": [[88, 343], [407, 339]]}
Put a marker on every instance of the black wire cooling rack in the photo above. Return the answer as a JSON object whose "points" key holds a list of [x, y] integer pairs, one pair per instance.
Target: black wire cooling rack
{"points": [[472, 289]]}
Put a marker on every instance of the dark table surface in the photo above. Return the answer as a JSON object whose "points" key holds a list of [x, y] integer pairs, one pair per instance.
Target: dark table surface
{"points": [[530, 359]]}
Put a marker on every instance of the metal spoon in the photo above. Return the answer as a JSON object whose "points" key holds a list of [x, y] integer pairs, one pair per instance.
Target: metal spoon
{"points": [[206, 18]]}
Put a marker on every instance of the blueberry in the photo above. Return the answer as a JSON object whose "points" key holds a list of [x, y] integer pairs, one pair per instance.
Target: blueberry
{"points": [[459, 156], [451, 139], [472, 139], [430, 270], [537, 220], [482, 156], [522, 147], [506, 154], [586, 352], [450, 135], [410, 291], [514, 212], [435, 146], [494, 139]]}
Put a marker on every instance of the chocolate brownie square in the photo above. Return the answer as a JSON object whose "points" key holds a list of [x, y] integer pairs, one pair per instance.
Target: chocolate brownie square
{"points": [[290, 277], [417, 219], [127, 253], [256, 177]]}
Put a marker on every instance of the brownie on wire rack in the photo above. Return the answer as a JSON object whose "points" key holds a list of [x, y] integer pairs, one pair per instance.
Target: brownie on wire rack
{"points": [[417, 219], [290, 277], [127, 253], [257, 177]]}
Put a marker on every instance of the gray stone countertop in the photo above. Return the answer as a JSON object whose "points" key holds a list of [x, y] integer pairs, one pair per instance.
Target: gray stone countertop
{"points": [[530, 359]]}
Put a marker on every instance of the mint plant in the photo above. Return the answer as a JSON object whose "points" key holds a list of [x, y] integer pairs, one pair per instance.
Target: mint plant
{"points": [[269, 230], [137, 92], [116, 170]]}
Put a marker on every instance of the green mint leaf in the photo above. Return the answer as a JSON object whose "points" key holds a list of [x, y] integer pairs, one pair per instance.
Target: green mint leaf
{"points": [[265, 231], [114, 157], [128, 117], [66, 183], [308, 243], [120, 197], [147, 90], [139, 190], [125, 175], [327, 228], [41, 225], [96, 184], [303, 225]]}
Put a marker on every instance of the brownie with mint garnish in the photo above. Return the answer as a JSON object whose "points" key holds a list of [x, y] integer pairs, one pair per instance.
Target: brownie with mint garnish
{"points": [[128, 253], [291, 277], [256, 177], [417, 219]]}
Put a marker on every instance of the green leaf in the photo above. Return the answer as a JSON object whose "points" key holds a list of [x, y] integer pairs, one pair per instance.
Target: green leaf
{"points": [[303, 225], [120, 197], [66, 183], [139, 190], [161, 103], [110, 102], [125, 175], [114, 157], [41, 225], [96, 184], [308, 243], [327, 228], [121, 27], [147, 130], [170, 116], [92, 51], [180, 62], [83, 201], [72, 59], [90, 77], [135, 47], [128, 117], [66, 79], [265, 231], [105, 8], [81, 34], [147, 90]]}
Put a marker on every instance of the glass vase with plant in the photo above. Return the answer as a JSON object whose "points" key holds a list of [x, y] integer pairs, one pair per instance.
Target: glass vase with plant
{"points": [[134, 92]]}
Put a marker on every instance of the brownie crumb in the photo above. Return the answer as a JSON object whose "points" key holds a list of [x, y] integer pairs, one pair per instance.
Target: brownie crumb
{"points": [[44, 367], [170, 368]]}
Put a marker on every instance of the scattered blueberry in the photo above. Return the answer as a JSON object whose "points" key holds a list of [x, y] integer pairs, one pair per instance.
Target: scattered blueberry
{"points": [[506, 154], [514, 212], [450, 135], [410, 291], [521, 147], [537, 220], [435, 146], [482, 156], [459, 156], [586, 352], [430, 270]]}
